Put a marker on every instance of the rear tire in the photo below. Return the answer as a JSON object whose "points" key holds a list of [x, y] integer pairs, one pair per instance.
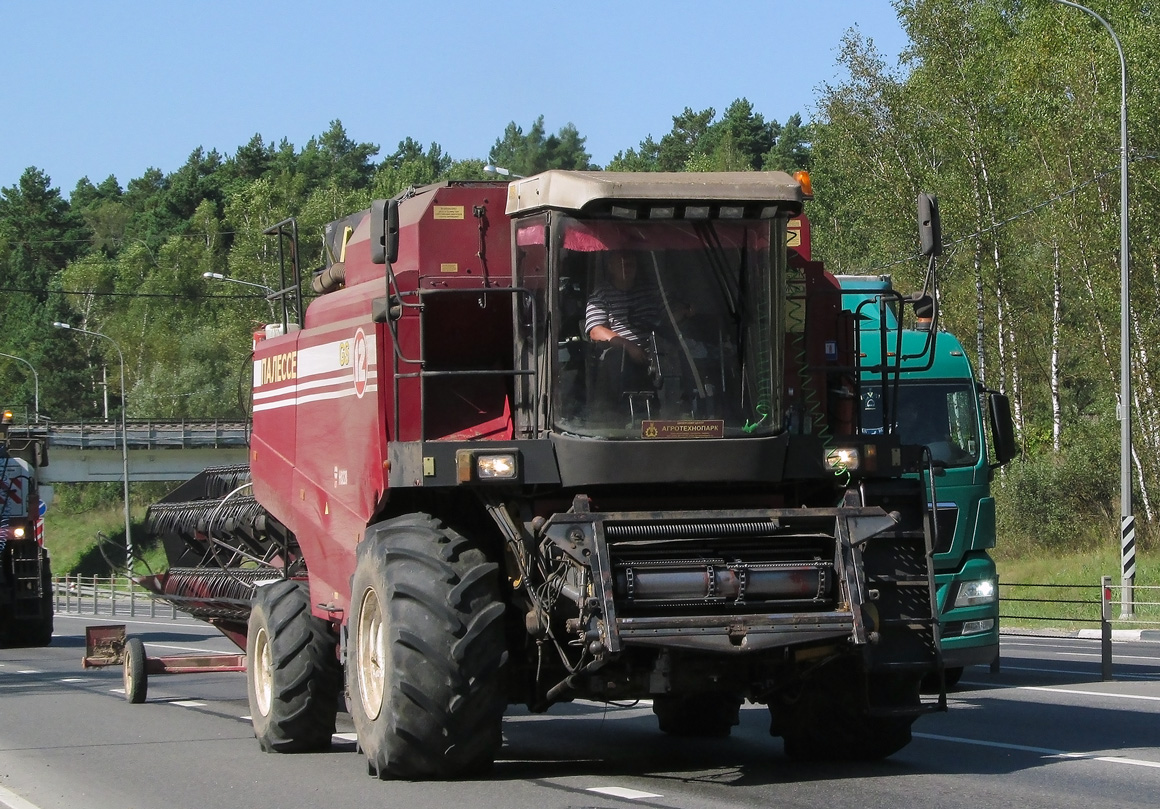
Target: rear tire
{"points": [[134, 676], [828, 722], [706, 716], [293, 678], [426, 652]]}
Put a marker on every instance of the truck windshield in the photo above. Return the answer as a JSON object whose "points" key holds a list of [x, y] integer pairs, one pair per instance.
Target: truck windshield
{"points": [[666, 329], [943, 416]]}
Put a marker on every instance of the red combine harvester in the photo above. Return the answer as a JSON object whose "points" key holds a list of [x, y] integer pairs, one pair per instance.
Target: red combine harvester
{"points": [[586, 435]]}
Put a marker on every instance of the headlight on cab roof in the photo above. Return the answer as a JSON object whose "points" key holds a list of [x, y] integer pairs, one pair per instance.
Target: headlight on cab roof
{"points": [[842, 458], [486, 465], [974, 593]]}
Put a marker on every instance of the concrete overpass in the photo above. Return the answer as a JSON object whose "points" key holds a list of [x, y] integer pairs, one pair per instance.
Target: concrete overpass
{"points": [[158, 450]]}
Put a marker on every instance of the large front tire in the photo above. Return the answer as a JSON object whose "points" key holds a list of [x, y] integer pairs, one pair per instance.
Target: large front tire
{"points": [[293, 679], [829, 720], [426, 652]]}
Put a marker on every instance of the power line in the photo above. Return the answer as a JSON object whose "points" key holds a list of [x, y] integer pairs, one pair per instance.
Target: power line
{"points": [[169, 295]]}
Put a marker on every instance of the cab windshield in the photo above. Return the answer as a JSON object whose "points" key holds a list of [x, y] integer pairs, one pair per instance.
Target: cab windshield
{"points": [[665, 329], [940, 415]]}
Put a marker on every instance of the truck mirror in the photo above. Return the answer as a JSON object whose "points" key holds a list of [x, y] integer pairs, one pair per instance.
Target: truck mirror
{"points": [[1002, 428], [929, 225], [384, 231]]}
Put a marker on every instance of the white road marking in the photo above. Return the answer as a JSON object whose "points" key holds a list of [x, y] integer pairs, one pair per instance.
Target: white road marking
{"points": [[345, 737], [13, 801], [624, 792], [1120, 675], [1052, 689], [28, 671], [72, 680], [194, 649], [188, 703], [1045, 751]]}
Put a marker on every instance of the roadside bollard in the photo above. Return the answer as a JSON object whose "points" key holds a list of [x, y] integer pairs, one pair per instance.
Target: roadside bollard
{"points": [[1106, 627]]}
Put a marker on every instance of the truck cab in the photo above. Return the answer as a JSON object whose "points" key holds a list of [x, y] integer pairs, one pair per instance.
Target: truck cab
{"points": [[938, 405]]}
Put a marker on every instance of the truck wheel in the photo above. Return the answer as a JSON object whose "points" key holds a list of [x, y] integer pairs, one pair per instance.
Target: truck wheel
{"points": [[697, 715], [426, 653], [951, 677], [133, 675], [292, 672]]}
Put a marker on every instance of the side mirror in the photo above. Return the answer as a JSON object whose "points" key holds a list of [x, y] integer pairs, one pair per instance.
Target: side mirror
{"points": [[384, 231], [929, 225], [1002, 428]]}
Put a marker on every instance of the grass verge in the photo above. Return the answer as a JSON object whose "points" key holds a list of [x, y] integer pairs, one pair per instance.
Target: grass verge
{"points": [[1052, 590]]}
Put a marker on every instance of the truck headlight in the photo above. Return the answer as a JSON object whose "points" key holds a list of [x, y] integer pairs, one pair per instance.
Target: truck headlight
{"points": [[974, 593], [842, 458], [18, 532], [974, 627]]}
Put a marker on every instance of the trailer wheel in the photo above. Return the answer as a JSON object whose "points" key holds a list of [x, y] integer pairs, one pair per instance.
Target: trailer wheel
{"points": [[426, 654], [293, 679], [133, 674], [706, 715]]}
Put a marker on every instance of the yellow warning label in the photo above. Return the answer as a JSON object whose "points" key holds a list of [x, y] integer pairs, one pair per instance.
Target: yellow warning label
{"points": [[448, 211], [448, 268], [793, 236]]}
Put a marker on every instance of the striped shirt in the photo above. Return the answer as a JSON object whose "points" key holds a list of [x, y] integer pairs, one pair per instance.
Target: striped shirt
{"points": [[632, 313]]}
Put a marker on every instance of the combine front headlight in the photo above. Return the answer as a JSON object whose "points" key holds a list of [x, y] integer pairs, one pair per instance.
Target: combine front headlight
{"points": [[974, 593], [495, 467], [486, 465], [842, 458]]}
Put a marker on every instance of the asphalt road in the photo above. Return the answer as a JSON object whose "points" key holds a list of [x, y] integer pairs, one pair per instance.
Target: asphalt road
{"points": [[1044, 732]]}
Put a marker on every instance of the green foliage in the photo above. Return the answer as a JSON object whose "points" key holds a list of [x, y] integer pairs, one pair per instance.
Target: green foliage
{"points": [[742, 140], [535, 152]]}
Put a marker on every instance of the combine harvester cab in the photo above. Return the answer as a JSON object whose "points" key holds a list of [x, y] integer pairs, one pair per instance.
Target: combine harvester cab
{"points": [[586, 435]]}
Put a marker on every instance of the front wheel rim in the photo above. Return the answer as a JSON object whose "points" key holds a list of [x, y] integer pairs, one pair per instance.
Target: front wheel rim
{"points": [[371, 654], [263, 672]]}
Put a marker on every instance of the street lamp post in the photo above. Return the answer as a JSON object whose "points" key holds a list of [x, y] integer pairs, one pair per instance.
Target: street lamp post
{"points": [[35, 385], [1127, 520], [271, 293], [124, 438]]}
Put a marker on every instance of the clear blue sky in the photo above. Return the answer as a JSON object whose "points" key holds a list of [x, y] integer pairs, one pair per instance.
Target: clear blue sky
{"points": [[93, 88]]}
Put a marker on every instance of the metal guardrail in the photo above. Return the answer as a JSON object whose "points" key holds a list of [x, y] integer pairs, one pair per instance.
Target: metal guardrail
{"points": [[106, 596], [1079, 604], [142, 434]]}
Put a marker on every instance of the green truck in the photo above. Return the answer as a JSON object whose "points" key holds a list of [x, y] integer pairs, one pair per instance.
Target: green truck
{"points": [[938, 405]]}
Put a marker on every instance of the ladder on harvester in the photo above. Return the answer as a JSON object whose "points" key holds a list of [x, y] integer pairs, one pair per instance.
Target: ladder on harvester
{"points": [[898, 572]]}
